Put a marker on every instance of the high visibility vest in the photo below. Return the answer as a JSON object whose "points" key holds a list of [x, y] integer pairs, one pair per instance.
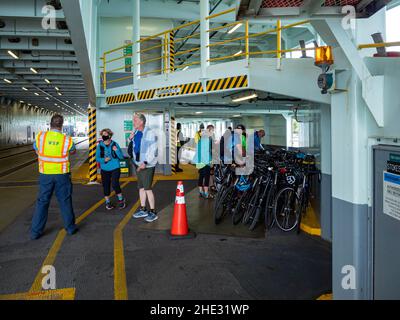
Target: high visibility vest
{"points": [[53, 148]]}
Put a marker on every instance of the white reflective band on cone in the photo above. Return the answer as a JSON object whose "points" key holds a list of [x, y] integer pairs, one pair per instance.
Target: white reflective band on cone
{"points": [[180, 188], [180, 200]]}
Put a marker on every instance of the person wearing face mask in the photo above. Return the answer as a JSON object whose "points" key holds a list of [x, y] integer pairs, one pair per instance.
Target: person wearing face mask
{"points": [[204, 161], [109, 154]]}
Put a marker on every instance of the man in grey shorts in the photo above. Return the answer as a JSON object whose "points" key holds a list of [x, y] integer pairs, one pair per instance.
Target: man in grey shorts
{"points": [[145, 160]]}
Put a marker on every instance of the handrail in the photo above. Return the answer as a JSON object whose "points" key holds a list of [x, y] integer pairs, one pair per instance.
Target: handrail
{"points": [[220, 13], [188, 37], [379, 45], [225, 26], [168, 53], [226, 41]]}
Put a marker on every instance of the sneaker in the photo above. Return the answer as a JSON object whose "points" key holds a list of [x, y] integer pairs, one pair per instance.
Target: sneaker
{"points": [[121, 204], [151, 217], [75, 230], [35, 236], [141, 213], [109, 206]]}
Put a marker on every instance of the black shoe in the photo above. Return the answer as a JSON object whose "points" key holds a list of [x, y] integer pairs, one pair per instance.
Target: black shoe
{"points": [[178, 170], [73, 231], [121, 204], [109, 206], [35, 237]]}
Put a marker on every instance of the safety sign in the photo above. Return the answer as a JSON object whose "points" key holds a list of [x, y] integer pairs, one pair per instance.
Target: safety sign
{"points": [[391, 194]]}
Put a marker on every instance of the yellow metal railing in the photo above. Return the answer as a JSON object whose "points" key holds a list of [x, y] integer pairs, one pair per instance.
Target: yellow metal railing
{"points": [[120, 59], [379, 45]]}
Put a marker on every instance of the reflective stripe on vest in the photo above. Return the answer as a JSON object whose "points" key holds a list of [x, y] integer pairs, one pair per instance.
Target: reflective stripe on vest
{"points": [[53, 150]]}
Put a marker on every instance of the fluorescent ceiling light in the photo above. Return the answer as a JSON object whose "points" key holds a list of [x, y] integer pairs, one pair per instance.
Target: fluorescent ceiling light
{"points": [[8, 81], [185, 68], [34, 70], [199, 112], [36, 94], [12, 54], [59, 93], [67, 101], [47, 98], [237, 53], [47, 80], [251, 96], [22, 101], [25, 89], [235, 28], [56, 88], [236, 115]]}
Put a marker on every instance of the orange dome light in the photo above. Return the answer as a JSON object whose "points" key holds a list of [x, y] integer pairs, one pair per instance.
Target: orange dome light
{"points": [[323, 56]]}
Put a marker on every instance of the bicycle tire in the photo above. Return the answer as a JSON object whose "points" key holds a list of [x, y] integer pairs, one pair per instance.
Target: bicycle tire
{"points": [[251, 208], [219, 209], [256, 218], [269, 218], [288, 210], [238, 212]]}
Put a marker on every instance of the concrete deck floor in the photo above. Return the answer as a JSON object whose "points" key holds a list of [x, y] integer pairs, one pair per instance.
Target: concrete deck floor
{"points": [[111, 247]]}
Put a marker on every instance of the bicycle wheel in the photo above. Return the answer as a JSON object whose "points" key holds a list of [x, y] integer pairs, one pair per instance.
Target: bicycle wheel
{"points": [[251, 209], [287, 208], [240, 208], [269, 218], [220, 206]]}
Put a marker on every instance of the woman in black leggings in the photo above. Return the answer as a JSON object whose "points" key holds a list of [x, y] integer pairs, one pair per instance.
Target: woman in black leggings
{"points": [[204, 159], [109, 154]]}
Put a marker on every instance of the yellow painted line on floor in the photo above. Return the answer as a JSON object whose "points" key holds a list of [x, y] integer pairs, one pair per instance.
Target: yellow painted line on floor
{"points": [[51, 256], [59, 294], [310, 223], [120, 284], [310, 230]]}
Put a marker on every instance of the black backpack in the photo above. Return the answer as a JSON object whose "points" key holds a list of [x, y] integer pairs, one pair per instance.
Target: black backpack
{"points": [[102, 151], [130, 149]]}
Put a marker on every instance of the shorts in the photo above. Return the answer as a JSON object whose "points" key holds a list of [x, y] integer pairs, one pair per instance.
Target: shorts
{"points": [[145, 178]]}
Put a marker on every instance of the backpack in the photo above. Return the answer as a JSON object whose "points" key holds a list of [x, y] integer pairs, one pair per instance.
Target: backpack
{"points": [[130, 149], [102, 151]]}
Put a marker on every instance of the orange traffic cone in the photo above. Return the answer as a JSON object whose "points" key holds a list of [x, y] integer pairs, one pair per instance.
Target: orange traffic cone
{"points": [[179, 228]]}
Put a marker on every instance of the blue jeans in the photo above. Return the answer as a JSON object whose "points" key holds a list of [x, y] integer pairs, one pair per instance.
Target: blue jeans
{"points": [[61, 184]]}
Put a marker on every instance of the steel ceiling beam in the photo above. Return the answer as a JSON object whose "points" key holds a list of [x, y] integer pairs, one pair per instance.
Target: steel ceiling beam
{"points": [[72, 12]]}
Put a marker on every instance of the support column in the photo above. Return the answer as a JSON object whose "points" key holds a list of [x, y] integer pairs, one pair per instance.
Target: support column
{"points": [[136, 43], [92, 145], [204, 37], [351, 124], [171, 52], [326, 173], [173, 155]]}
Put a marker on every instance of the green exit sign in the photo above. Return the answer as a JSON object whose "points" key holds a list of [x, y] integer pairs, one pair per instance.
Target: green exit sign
{"points": [[128, 60]]}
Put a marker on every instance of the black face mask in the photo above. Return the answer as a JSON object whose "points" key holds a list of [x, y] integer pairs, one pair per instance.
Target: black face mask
{"points": [[105, 138]]}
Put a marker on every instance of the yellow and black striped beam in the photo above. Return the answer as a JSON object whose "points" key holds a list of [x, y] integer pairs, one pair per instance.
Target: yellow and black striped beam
{"points": [[121, 98], [146, 94], [171, 52], [92, 145], [188, 88], [173, 145], [227, 83]]}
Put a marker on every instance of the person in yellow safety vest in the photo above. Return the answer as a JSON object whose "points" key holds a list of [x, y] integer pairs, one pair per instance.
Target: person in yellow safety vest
{"points": [[198, 134], [53, 149]]}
